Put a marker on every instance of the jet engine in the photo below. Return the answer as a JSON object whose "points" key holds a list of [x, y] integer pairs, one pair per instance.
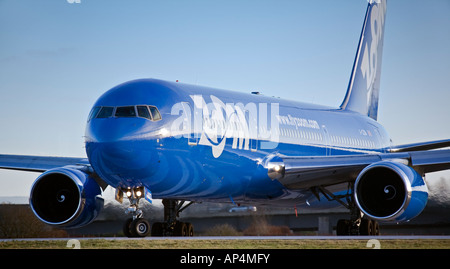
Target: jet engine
{"points": [[66, 197], [390, 191]]}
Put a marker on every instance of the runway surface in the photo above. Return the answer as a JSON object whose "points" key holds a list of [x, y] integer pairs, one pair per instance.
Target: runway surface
{"points": [[386, 237], [326, 251]]}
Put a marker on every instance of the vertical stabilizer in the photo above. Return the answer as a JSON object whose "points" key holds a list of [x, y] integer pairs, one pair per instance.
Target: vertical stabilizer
{"points": [[364, 86]]}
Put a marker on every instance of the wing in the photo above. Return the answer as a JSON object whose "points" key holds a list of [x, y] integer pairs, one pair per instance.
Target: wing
{"points": [[37, 163], [422, 146], [306, 172]]}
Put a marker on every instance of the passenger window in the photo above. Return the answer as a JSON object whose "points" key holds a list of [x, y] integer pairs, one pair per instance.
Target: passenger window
{"points": [[155, 113], [93, 113], [143, 112], [126, 111], [105, 112]]}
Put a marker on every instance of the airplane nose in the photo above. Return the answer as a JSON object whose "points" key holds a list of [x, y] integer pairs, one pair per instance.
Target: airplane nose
{"points": [[112, 130], [118, 153]]}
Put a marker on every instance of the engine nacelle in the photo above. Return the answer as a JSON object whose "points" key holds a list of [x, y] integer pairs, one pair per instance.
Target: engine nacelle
{"points": [[390, 191], [66, 197]]}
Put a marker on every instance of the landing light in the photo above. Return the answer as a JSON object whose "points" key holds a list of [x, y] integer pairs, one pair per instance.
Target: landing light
{"points": [[164, 132], [277, 168], [138, 193], [128, 194]]}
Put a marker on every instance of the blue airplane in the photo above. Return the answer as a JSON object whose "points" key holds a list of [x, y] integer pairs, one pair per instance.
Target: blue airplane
{"points": [[183, 144]]}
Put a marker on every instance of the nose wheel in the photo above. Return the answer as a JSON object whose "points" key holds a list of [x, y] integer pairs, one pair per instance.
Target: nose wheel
{"points": [[139, 227]]}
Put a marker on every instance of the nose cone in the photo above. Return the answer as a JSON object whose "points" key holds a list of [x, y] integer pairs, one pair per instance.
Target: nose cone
{"points": [[120, 151]]}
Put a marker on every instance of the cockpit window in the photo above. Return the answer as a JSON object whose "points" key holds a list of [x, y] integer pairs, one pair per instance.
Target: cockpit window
{"points": [[143, 112], [126, 111], [105, 112], [155, 113], [147, 112], [93, 113]]}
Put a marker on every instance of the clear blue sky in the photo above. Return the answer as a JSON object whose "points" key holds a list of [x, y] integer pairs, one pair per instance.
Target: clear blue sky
{"points": [[57, 58]]}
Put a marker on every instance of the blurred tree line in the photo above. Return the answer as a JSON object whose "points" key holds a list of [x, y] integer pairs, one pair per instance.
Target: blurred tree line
{"points": [[18, 221]]}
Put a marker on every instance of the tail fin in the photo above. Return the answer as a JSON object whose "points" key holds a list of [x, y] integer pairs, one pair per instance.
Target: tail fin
{"points": [[364, 86]]}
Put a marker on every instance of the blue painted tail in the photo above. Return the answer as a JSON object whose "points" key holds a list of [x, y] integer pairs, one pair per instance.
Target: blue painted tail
{"points": [[364, 86]]}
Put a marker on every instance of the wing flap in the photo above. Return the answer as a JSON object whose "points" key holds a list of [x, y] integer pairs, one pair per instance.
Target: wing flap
{"points": [[430, 161], [306, 172]]}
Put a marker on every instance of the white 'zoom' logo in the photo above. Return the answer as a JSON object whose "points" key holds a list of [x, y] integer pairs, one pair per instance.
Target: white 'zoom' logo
{"points": [[211, 124], [369, 62]]}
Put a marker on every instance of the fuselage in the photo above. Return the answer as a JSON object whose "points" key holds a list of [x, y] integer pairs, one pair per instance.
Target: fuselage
{"points": [[196, 143]]}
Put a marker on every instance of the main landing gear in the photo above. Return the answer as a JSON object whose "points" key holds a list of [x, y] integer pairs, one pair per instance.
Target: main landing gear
{"points": [[171, 226], [356, 225], [137, 226]]}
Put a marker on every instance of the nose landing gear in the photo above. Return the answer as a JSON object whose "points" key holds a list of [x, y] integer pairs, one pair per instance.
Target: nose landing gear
{"points": [[137, 226]]}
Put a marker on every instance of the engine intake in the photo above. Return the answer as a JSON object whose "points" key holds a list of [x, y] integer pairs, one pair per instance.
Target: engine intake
{"points": [[66, 197], [390, 191]]}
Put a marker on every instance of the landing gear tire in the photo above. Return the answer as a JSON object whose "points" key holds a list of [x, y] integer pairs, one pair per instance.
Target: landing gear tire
{"points": [[139, 227], [376, 228], [190, 229], [369, 227], [343, 227], [180, 229], [127, 227], [158, 229], [365, 227]]}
